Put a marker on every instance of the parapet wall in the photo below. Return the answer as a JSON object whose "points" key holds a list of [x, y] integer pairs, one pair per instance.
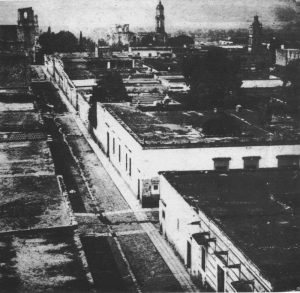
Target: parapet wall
{"points": [[55, 69]]}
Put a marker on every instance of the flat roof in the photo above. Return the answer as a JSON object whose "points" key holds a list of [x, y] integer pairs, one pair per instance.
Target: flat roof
{"points": [[31, 202], [266, 83], [16, 107], [258, 210], [25, 158], [14, 71], [20, 121], [175, 129], [41, 261]]}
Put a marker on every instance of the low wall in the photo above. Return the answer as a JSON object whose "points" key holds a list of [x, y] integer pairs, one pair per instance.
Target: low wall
{"points": [[55, 68]]}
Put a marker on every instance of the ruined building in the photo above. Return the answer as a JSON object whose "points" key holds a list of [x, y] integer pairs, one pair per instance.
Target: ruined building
{"points": [[121, 35], [21, 38]]}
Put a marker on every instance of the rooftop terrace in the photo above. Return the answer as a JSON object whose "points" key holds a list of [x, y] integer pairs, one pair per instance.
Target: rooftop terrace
{"points": [[14, 71], [257, 210], [25, 158], [31, 202], [180, 128], [20, 121], [41, 262]]}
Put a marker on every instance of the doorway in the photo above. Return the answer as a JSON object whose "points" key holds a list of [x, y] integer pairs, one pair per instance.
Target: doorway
{"points": [[108, 146], [189, 255], [138, 189], [221, 280]]}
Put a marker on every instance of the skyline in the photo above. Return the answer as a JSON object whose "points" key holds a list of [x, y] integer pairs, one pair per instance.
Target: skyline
{"points": [[85, 15]]}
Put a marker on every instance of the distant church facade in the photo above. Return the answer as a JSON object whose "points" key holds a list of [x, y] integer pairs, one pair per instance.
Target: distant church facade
{"points": [[21, 38], [121, 35]]}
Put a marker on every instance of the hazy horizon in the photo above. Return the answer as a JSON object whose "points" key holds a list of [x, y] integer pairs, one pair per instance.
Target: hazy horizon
{"points": [[87, 15]]}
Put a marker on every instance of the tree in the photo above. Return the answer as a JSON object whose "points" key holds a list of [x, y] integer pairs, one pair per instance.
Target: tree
{"points": [[147, 40], [102, 42], [180, 41], [291, 74], [64, 41], [111, 89], [212, 78], [221, 124], [80, 42]]}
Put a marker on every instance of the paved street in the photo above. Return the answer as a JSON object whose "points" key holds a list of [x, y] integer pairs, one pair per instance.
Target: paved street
{"points": [[105, 208]]}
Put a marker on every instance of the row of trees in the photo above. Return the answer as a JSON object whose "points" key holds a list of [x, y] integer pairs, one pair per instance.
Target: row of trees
{"points": [[178, 41], [64, 41], [213, 78]]}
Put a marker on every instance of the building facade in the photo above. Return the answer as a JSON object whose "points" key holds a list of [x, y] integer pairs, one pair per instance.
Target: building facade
{"points": [[121, 36], [285, 56], [139, 146]]}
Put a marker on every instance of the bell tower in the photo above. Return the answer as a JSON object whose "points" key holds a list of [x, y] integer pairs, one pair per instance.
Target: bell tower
{"points": [[160, 19], [255, 36], [28, 29]]}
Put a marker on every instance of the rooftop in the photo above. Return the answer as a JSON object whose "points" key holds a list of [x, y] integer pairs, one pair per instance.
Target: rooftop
{"points": [[14, 71], [41, 262], [16, 100], [20, 121], [31, 202], [24, 158], [266, 83], [257, 210], [180, 128]]}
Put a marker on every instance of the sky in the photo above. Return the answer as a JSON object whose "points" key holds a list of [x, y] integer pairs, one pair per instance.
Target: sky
{"points": [[84, 15]]}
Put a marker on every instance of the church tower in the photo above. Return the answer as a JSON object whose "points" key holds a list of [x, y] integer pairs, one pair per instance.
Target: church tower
{"points": [[160, 19], [255, 36], [28, 30]]}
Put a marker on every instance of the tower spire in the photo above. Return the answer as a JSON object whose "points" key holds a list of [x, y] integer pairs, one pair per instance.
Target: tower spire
{"points": [[160, 18]]}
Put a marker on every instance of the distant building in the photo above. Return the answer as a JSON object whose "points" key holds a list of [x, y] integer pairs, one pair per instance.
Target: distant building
{"points": [[150, 52], [159, 36], [121, 36], [175, 83], [285, 56], [255, 36], [236, 230], [21, 38]]}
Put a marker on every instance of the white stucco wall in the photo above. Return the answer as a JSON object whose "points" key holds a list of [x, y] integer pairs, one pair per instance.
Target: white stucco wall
{"points": [[177, 228], [146, 163]]}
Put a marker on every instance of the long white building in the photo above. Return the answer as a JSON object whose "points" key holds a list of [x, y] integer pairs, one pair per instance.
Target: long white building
{"points": [[236, 230], [140, 144]]}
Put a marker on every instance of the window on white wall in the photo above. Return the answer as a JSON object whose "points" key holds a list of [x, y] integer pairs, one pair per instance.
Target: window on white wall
{"points": [[178, 224], [119, 153], [221, 164], [203, 258], [129, 166], [114, 145], [288, 161], [251, 163]]}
